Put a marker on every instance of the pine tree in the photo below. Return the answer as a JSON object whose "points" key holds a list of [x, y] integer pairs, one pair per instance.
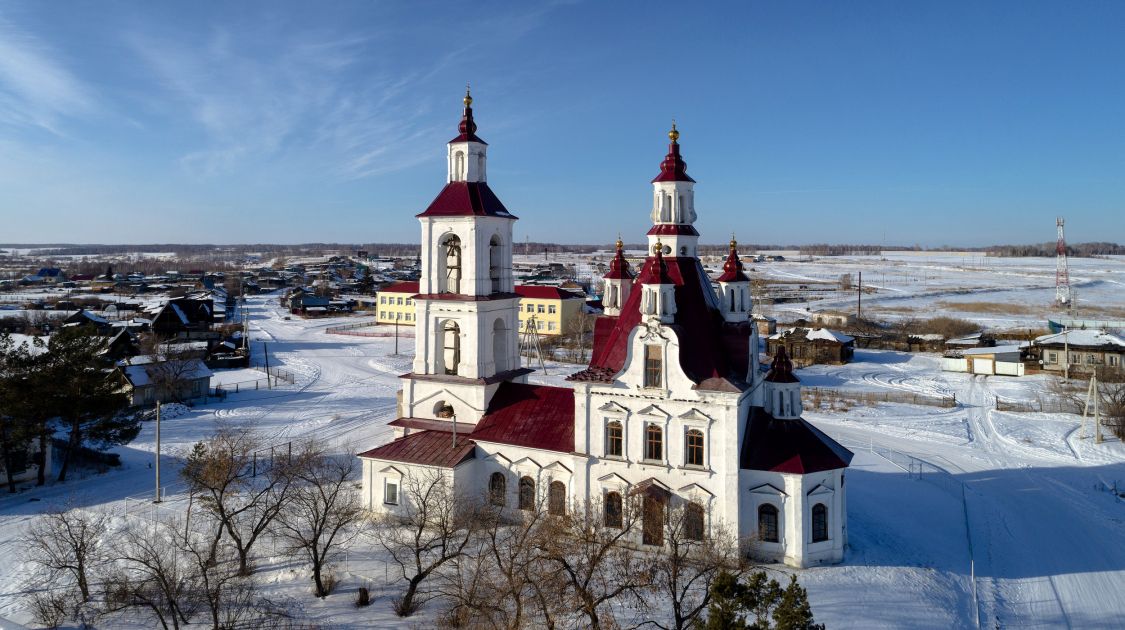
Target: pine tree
{"points": [[793, 611], [725, 610], [760, 595]]}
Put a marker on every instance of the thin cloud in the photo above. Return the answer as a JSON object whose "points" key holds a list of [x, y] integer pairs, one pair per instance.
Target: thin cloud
{"points": [[36, 89]]}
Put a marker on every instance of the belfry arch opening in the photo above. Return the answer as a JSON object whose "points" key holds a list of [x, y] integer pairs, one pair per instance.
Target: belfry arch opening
{"points": [[495, 266], [449, 259], [500, 346], [450, 347], [459, 166]]}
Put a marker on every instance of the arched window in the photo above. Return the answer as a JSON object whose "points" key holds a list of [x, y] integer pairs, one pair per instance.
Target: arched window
{"points": [[527, 493], [614, 439], [693, 447], [613, 510], [819, 522], [556, 498], [451, 347], [450, 280], [693, 521], [767, 523], [459, 166], [654, 443], [732, 301], [500, 346], [498, 489], [652, 521], [494, 267]]}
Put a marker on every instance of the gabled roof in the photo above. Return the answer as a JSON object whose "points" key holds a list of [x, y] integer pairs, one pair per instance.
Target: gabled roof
{"points": [[428, 448], [533, 416], [789, 446], [401, 287], [813, 334], [714, 354], [467, 199], [1085, 338]]}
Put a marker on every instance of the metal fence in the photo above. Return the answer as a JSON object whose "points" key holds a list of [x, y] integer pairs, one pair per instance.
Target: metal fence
{"points": [[1040, 404], [362, 329]]}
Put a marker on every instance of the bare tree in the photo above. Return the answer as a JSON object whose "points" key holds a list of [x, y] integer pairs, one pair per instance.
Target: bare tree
{"points": [[433, 527], [244, 496], [67, 542], [153, 573], [173, 365], [688, 563], [595, 559], [323, 508]]}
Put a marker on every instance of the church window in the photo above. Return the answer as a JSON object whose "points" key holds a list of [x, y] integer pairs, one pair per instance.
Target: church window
{"points": [[556, 498], [732, 301], [452, 347], [459, 166], [693, 521], [527, 493], [497, 489], [653, 366], [614, 439], [654, 443], [613, 510], [819, 523], [494, 267], [390, 492], [652, 521], [693, 448], [767, 523]]}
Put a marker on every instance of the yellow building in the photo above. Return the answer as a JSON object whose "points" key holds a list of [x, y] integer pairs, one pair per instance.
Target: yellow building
{"points": [[396, 303], [554, 309]]}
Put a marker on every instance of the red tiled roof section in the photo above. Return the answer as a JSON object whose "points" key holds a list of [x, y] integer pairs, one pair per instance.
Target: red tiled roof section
{"points": [[674, 229], [539, 292], [705, 354], [401, 287], [532, 416], [428, 448], [467, 199], [789, 446]]}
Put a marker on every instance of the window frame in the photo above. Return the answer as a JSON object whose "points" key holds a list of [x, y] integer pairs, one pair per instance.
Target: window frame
{"points": [[498, 492], [620, 438], [556, 498], [526, 503], [818, 526], [653, 366], [651, 429], [769, 510], [700, 448], [614, 518], [695, 521], [387, 484]]}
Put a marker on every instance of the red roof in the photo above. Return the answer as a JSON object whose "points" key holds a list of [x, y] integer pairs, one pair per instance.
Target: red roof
{"points": [[619, 267], [673, 168], [782, 369], [708, 356], [532, 416], [428, 448], [674, 229], [467, 128], [467, 199], [789, 446], [540, 292], [732, 268], [401, 287], [654, 270]]}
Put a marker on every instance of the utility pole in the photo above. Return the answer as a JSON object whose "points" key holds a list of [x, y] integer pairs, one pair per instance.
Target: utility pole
{"points": [[266, 352], [1066, 354], [396, 334], [859, 298], [454, 430], [157, 452]]}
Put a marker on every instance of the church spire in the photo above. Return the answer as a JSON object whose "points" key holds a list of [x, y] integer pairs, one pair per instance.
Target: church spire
{"points": [[673, 168], [467, 152], [618, 282], [673, 203]]}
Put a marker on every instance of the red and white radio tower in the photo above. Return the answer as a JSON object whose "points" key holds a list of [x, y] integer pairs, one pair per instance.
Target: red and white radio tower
{"points": [[1062, 275]]}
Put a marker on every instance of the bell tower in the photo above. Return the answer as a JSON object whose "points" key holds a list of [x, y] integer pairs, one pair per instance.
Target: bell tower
{"points": [[673, 204], [467, 311]]}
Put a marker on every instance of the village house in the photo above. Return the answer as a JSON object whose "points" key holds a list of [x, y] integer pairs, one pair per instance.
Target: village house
{"points": [[1080, 352], [672, 412], [147, 382], [811, 346]]}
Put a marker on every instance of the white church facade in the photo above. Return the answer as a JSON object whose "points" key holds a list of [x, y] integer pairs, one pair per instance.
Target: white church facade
{"points": [[672, 410]]}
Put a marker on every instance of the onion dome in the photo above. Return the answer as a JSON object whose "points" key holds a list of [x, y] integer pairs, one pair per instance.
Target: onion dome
{"points": [[468, 127], [619, 267], [656, 270], [782, 369], [673, 168], [732, 268]]}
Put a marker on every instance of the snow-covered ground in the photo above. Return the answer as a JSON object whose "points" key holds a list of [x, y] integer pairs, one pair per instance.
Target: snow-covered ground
{"points": [[1024, 490]]}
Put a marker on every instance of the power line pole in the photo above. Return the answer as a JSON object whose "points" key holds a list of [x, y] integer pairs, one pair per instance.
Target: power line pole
{"points": [[157, 452]]}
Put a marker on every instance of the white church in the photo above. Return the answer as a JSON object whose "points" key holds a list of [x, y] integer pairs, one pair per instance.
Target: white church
{"points": [[673, 408]]}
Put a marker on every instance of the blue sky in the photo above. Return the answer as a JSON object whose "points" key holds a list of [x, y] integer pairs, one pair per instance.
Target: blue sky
{"points": [[962, 123]]}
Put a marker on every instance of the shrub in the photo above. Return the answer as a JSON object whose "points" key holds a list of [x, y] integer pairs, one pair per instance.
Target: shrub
{"points": [[362, 597]]}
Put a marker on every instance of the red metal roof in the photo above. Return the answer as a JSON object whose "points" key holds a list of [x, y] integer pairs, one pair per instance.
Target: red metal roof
{"points": [[428, 448], [673, 168], [674, 229], [540, 292], [732, 268], [533, 416], [467, 199], [654, 270], [789, 446], [708, 357], [401, 287], [467, 128], [782, 369]]}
